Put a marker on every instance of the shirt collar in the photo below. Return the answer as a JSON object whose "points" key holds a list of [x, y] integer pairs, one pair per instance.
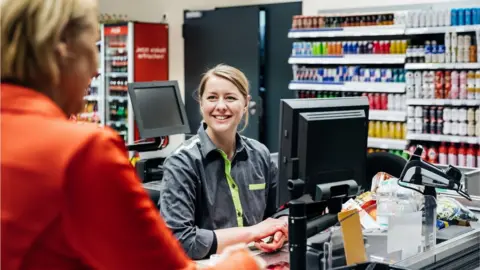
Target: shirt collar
{"points": [[208, 146], [24, 100]]}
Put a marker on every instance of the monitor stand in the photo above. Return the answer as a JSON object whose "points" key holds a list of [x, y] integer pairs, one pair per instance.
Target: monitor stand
{"points": [[303, 208]]}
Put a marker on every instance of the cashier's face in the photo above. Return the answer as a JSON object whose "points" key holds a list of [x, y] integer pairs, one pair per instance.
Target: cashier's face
{"points": [[222, 105]]}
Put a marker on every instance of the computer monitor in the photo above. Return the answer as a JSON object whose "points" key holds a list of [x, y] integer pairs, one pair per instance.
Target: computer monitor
{"points": [[322, 141], [158, 108]]}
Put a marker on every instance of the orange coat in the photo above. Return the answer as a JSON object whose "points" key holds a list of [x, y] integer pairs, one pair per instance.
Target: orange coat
{"points": [[70, 198]]}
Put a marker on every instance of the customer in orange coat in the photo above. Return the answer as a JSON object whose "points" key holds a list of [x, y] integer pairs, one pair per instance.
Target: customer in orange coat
{"points": [[69, 196]]}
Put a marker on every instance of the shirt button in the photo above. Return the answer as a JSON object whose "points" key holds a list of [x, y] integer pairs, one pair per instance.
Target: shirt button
{"points": [[239, 214], [233, 186]]}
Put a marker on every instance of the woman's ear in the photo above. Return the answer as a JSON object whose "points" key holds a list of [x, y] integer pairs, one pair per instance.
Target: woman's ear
{"points": [[249, 98]]}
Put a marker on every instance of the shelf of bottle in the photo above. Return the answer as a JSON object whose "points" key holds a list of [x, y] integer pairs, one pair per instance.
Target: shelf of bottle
{"points": [[91, 98], [348, 59], [382, 143], [386, 115], [118, 123], [117, 74], [421, 66], [379, 87], [116, 58], [443, 102], [114, 98], [88, 114], [441, 29], [380, 30], [442, 138]]}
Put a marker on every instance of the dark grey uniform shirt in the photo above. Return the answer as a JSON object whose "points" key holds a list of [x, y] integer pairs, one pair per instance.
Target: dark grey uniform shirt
{"points": [[202, 190]]}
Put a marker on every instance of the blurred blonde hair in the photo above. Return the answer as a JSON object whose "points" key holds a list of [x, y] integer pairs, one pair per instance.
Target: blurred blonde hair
{"points": [[30, 32], [232, 75]]}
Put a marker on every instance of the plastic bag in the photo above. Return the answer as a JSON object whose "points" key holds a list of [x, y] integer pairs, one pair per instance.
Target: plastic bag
{"points": [[449, 209]]}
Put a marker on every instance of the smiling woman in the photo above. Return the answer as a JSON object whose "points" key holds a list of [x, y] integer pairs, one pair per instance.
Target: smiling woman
{"points": [[219, 187]]}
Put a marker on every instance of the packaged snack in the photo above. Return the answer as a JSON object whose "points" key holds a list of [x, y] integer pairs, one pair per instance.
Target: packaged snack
{"points": [[450, 210]]}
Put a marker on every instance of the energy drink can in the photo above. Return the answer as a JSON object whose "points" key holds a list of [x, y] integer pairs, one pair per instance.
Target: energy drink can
{"points": [[433, 113], [428, 52], [355, 47], [418, 91], [410, 91], [447, 42], [409, 78], [454, 17], [418, 77], [475, 15], [320, 74], [418, 125], [441, 54], [439, 127], [391, 105], [376, 101], [377, 75], [418, 112], [383, 101], [439, 113], [434, 53], [468, 16], [461, 16], [447, 114]]}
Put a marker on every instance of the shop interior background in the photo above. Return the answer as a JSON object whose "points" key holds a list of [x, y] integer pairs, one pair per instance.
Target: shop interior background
{"points": [[154, 10]]}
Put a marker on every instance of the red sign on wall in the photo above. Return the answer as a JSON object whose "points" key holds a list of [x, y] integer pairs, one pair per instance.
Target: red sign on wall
{"points": [[150, 54]]}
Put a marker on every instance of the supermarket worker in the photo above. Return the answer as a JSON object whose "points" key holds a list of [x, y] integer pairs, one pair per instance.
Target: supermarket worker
{"points": [[70, 198], [218, 187]]}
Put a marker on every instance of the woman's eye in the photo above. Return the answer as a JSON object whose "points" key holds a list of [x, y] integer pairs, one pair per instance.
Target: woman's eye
{"points": [[211, 97], [231, 98]]}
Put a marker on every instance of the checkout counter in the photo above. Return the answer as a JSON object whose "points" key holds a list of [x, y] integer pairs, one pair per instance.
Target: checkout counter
{"points": [[306, 171]]}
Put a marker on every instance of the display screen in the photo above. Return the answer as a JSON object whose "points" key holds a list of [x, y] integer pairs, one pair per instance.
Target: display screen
{"points": [[158, 107]]}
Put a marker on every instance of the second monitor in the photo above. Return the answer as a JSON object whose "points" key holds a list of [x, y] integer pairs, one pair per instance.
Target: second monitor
{"points": [[322, 141]]}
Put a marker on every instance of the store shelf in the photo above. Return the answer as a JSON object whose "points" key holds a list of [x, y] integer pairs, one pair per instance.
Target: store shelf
{"points": [[112, 98], [91, 98], [117, 74], [384, 115], [349, 59], [442, 138], [443, 102], [415, 66], [117, 123], [362, 31], [88, 114], [387, 143], [442, 29], [349, 86]]}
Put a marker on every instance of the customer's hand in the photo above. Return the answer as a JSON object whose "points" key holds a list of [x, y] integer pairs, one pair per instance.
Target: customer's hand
{"points": [[277, 241]]}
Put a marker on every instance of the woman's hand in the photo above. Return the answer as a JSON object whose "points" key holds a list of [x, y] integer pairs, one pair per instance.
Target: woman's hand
{"points": [[240, 257], [278, 239]]}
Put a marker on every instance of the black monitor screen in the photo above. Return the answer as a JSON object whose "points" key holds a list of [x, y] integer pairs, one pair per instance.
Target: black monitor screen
{"points": [[158, 107]]}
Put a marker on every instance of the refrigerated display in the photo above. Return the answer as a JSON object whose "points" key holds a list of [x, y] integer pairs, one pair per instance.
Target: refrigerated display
{"points": [[134, 52]]}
